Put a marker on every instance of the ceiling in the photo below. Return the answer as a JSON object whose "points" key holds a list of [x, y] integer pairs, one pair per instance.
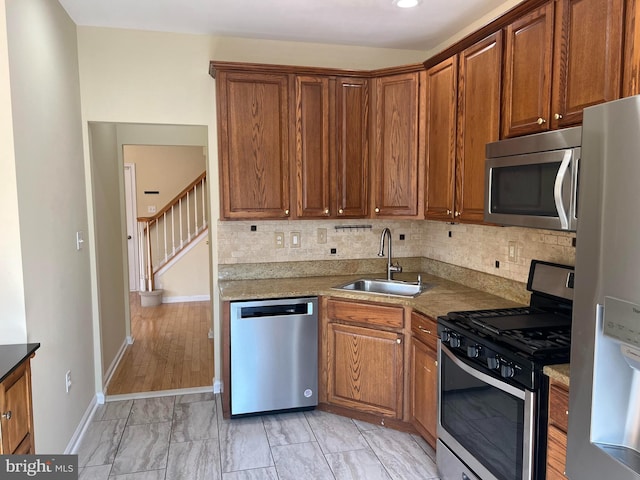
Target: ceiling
{"points": [[369, 23]]}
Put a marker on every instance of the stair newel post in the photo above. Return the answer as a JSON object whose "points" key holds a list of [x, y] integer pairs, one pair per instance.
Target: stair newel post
{"points": [[150, 283]]}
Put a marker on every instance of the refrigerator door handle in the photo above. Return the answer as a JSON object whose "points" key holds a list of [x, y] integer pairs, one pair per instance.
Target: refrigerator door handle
{"points": [[557, 190]]}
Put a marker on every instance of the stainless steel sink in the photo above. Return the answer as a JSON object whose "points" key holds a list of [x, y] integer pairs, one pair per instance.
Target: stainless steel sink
{"points": [[385, 287]]}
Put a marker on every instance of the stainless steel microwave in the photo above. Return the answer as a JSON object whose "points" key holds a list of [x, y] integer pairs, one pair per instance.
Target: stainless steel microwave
{"points": [[532, 181]]}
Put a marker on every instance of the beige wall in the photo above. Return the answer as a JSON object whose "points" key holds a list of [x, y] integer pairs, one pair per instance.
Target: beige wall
{"points": [[110, 282], [187, 279], [13, 327], [52, 205], [167, 169]]}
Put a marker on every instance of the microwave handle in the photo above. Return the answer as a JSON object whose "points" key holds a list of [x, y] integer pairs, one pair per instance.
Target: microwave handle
{"points": [[557, 190]]}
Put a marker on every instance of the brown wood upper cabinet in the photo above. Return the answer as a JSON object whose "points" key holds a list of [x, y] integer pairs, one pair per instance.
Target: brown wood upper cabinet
{"points": [[398, 153], [559, 59], [253, 138], [312, 151], [463, 114]]}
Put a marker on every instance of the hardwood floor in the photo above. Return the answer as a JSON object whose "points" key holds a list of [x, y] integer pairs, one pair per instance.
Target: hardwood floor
{"points": [[171, 349]]}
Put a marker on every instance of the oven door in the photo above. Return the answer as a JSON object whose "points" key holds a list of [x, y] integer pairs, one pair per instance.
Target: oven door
{"points": [[485, 422]]}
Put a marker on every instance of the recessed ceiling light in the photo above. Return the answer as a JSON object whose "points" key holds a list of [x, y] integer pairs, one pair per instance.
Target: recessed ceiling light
{"points": [[407, 3]]}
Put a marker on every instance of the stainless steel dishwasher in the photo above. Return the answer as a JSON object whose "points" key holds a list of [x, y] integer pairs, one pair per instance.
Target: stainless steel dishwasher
{"points": [[274, 355]]}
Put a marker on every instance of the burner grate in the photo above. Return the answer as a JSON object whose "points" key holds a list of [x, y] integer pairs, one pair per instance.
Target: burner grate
{"points": [[501, 312], [539, 342]]}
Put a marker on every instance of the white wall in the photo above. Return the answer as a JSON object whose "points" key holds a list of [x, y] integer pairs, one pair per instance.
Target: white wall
{"points": [[13, 327], [49, 164], [187, 279]]}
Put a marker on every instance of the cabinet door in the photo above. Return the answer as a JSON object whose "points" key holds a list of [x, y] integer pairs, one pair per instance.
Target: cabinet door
{"points": [[312, 147], [587, 57], [16, 424], [441, 90], [365, 369], [527, 73], [253, 137], [396, 159], [556, 454], [424, 390], [352, 147], [479, 89]]}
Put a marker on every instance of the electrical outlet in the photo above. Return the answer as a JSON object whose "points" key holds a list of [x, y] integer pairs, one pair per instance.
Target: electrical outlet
{"points": [[322, 235], [279, 239], [513, 252], [79, 240], [67, 381], [295, 240]]}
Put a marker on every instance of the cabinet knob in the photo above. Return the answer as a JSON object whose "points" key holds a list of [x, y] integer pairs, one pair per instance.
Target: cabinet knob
{"points": [[7, 415], [398, 341], [448, 212], [541, 121], [566, 412], [286, 212], [377, 210], [340, 211], [457, 214], [557, 116], [326, 211]]}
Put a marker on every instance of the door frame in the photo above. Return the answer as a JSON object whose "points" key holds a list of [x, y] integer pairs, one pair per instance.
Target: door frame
{"points": [[130, 195]]}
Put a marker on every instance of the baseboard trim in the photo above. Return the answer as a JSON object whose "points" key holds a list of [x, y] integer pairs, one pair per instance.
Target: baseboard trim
{"points": [[82, 427], [112, 368], [189, 298]]}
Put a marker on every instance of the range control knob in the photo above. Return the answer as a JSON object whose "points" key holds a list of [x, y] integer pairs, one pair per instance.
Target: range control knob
{"points": [[473, 351], [493, 363], [507, 370], [454, 341], [445, 335]]}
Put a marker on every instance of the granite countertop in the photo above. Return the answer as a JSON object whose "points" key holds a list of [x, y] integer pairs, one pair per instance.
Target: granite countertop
{"points": [[11, 356], [443, 297], [559, 373]]}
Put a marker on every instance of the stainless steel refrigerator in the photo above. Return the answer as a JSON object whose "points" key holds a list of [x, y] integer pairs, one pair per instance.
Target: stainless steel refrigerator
{"points": [[604, 409]]}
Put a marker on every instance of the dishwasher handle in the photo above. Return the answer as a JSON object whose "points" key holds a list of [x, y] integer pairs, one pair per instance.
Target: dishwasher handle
{"points": [[281, 310]]}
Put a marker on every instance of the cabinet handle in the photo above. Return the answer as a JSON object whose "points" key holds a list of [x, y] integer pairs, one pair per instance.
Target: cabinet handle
{"points": [[340, 211], [398, 341], [7, 415], [326, 211], [566, 412], [541, 121], [286, 212], [422, 329], [377, 210], [457, 214], [448, 212], [436, 363], [557, 116]]}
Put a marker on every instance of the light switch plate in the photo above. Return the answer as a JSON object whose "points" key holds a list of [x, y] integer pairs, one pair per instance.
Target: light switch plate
{"points": [[295, 240]]}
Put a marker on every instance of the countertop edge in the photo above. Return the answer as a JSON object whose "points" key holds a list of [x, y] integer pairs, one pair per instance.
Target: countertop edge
{"points": [[22, 352], [558, 373]]}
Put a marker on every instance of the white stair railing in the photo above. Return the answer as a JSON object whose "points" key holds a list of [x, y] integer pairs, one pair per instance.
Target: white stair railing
{"points": [[169, 231]]}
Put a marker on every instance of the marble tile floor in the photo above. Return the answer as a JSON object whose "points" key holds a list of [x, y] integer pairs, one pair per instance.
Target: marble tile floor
{"points": [[185, 437]]}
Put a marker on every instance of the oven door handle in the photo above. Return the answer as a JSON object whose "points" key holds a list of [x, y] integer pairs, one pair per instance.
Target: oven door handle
{"points": [[483, 377]]}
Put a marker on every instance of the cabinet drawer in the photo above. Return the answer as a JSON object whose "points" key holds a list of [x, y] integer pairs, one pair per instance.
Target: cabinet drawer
{"points": [[425, 329], [366, 313], [559, 406], [556, 453]]}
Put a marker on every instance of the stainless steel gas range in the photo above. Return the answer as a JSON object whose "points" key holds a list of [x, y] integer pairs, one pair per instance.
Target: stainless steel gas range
{"points": [[493, 396]]}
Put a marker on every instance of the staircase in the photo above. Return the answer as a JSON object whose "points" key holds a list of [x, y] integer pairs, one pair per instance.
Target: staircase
{"points": [[172, 230]]}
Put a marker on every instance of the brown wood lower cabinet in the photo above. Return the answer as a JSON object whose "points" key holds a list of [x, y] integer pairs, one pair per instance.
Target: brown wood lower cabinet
{"points": [[16, 422], [424, 376], [557, 432], [366, 369]]}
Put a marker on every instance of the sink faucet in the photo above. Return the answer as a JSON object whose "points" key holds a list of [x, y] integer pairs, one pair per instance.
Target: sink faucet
{"points": [[390, 268]]}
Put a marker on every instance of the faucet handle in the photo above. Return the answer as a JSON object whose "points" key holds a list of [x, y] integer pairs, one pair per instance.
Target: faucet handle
{"points": [[396, 267], [419, 282]]}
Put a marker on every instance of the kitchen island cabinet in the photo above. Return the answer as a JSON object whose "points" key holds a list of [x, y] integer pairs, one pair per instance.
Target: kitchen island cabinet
{"points": [[16, 411]]}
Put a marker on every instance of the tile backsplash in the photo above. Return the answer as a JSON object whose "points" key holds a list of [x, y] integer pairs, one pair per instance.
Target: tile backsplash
{"points": [[476, 247]]}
